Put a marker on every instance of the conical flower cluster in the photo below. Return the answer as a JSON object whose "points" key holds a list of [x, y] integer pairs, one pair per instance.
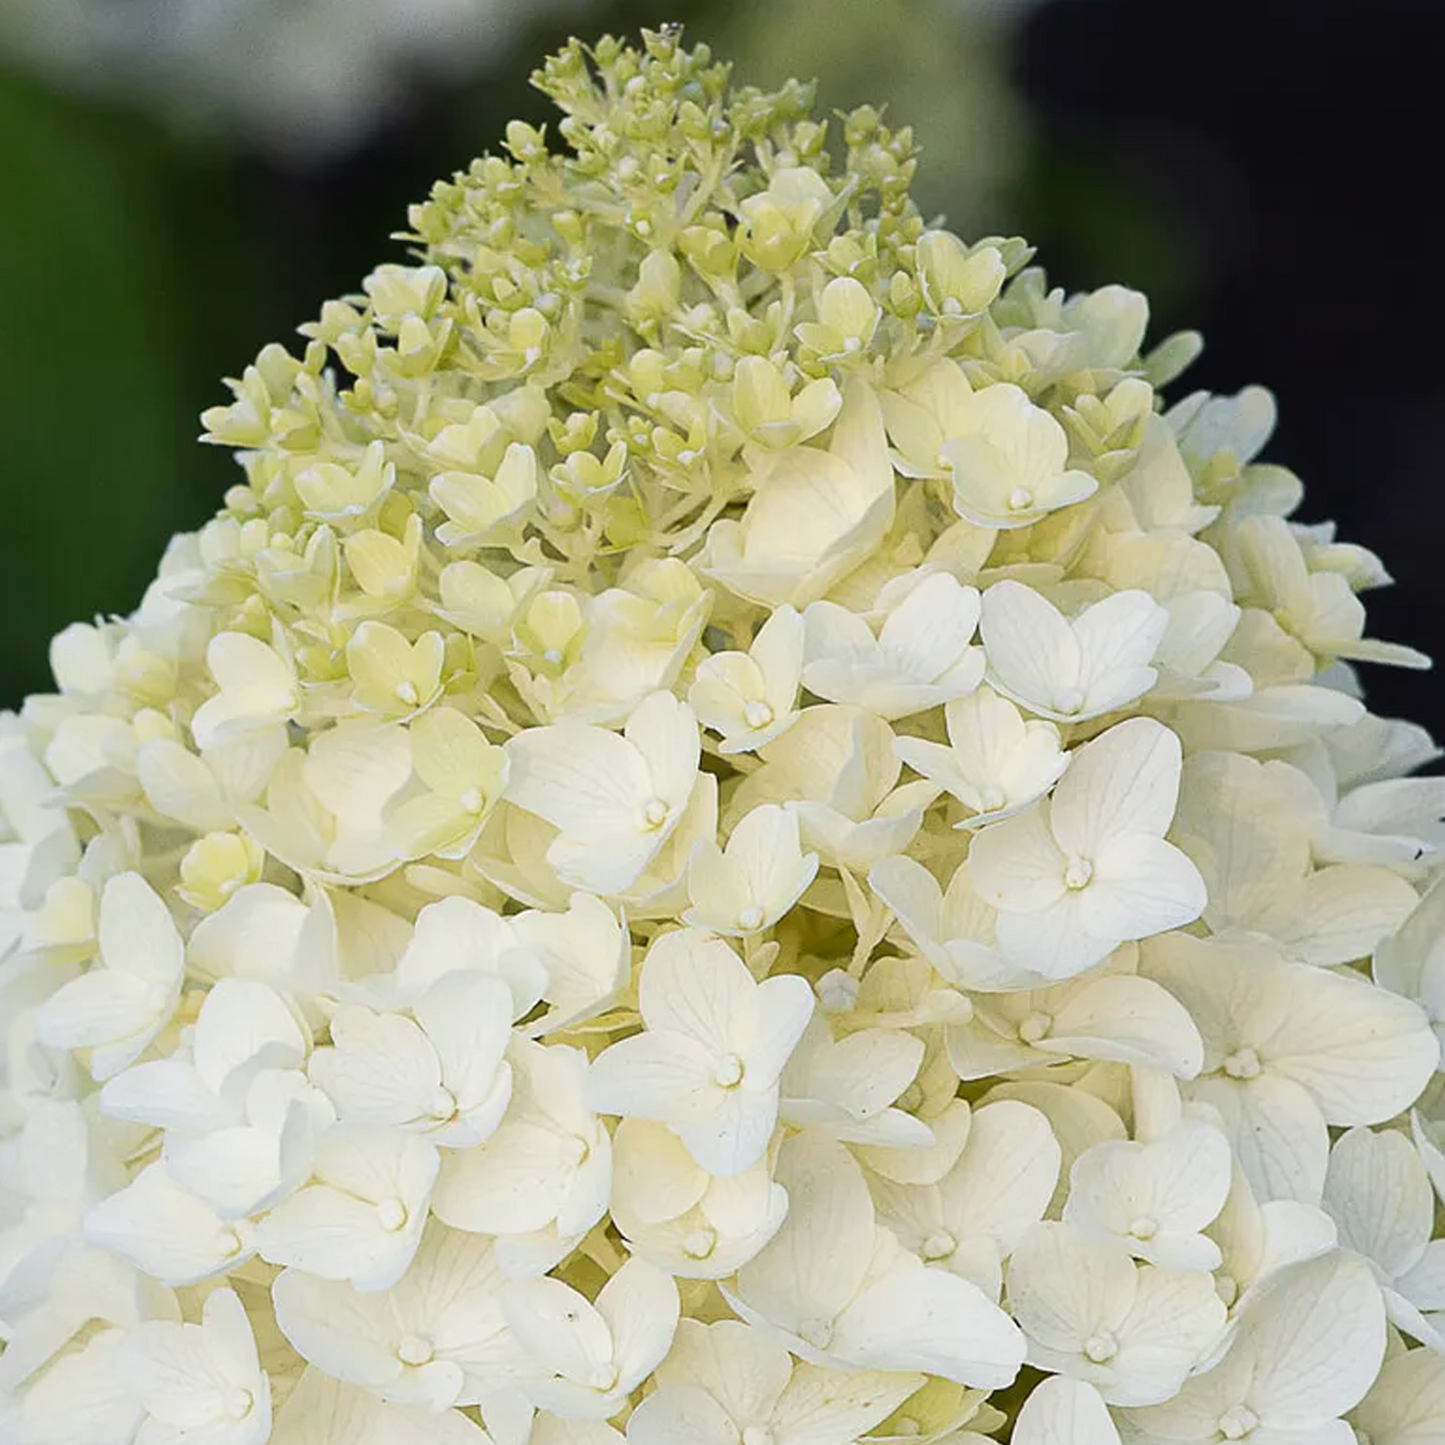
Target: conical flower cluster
{"points": [[738, 836]]}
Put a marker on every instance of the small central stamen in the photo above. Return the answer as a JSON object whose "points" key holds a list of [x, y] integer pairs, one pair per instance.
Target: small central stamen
{"points": [[1035, 1027], [727, 1072], [1237, 1422], [700, 1243], [414, 1350], [391, 1215], [1242, 1064], [938, 1246]]}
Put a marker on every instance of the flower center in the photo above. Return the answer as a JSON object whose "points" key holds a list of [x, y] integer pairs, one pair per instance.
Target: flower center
{"points": [[228, 1242], [472, 800], [939, 1245], [907, 1427], [1242, 1064], [1144, 1227], [1068, 700], [818, 1333], [727, 1072], [837, 991], [751, 917], [1078, 872], [1020, 499], [757, 1435], [1227, 1288], [1035, 1027], [654, 815], [700, 1243], [1101, 1348], [443, 1104], [757, 714], [407, 692], [239, 1403], [604, 1378], [391, 1215], [1237, 1422], [414, 1350], [575, 1150], [991, 799]]}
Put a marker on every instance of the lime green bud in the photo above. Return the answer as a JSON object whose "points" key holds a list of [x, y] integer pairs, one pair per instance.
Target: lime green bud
{"points": [[217, 866]]}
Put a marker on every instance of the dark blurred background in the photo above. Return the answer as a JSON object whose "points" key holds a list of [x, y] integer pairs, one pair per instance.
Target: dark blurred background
{"points": [[184, 180]]}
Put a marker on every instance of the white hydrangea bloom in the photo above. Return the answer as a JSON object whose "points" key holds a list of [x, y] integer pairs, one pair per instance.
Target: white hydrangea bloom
{"points": [[715, 1046], [1378, 1193], [1132, 1331], [117, 1009], [752, 882], [583, 1360], [1306, 1351], [751, 697], [921, 656], [1155, 1197], [845, 1293], [676, 1215], [1070, 669], [613, 800], [1078, 875], [723, 1382], [996, 763], [199, 1382], [474, 969]]}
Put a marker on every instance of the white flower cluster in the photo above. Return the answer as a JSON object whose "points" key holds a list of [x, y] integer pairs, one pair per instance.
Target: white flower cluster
{"points": [[736, 838]]}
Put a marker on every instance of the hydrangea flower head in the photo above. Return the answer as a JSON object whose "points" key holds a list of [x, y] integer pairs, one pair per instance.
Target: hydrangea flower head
{"points": [[737, 833]]}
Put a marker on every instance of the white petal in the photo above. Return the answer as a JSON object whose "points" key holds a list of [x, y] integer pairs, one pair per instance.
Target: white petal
{"points": [[1032, 652], [243, 1022], [662, 1076], [349, 1335], [814, 1264], [1060, 1411], [694, 985], [1363, 1053], [1015, 865], [916, 1318], [1379, 1195], [1064, 1286], [680, 1414], [1005, 1177], [1141, 886], [1125, 781], [166, 1231], [1277, 1131], [584, 780], [1129, 1020], [734, 1135], [1317, 1334], [640, 1305]]}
